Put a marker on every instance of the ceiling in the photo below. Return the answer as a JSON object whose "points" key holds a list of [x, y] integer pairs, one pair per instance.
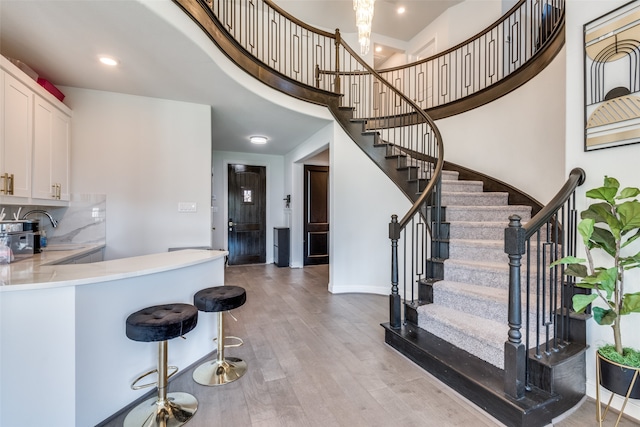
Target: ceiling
{"points": [[60, 40]]}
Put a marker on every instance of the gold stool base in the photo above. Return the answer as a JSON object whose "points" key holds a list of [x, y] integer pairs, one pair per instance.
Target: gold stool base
{"points": [[217, 372], [173, 412]]}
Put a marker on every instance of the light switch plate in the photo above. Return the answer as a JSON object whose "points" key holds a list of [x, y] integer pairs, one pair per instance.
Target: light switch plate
{"points": [[187, 207]]}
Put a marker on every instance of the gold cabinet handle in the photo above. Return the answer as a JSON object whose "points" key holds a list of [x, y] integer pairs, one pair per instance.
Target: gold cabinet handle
{"points": [[56, 190], [7, 187]]}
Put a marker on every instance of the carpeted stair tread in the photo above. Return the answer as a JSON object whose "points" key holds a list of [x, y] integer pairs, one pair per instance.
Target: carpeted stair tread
{"points": [[474, 199], [490, 230], [483, 265], [455, 186], [483, 338], [486, 213], [488, 303], [477, 249], [482, 273]]}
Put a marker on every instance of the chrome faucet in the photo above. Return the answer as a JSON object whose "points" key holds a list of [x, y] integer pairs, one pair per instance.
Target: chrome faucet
{"points": [[40, 211]]}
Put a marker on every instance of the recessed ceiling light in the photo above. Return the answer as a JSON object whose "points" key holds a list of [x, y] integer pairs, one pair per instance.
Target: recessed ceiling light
{"points": [[378, 48], [107, 60], [258, 139], [401, 10]]}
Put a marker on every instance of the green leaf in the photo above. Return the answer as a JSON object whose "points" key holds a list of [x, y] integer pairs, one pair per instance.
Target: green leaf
{"points": [[630, 261], [580, 301], [629, 213], [603, 193], [611, 182], [567, 260], [576, 270], [631, 239], [607, 193], [630, 304], [601, 238], [585, 228], [628, 192], [608, 279], [604, 279], [604, 317], [597, 211]]}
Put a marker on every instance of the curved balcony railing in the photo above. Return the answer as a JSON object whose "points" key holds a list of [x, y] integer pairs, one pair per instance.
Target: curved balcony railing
{"points": [[468, 70]]}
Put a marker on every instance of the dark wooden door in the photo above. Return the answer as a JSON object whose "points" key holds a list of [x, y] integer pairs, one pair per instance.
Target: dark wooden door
{"points": [[316, 214], [247, 214]]}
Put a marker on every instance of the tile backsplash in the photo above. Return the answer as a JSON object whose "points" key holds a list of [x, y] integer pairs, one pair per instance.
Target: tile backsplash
{"points": [[83, 221]]}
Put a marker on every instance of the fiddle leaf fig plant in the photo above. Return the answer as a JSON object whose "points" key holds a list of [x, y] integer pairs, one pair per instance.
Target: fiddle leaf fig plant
{"points": [[609, 225]]}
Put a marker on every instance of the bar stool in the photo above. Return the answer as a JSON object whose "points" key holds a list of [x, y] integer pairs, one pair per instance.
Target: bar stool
{"points": [[223, 369], [161, 323]]}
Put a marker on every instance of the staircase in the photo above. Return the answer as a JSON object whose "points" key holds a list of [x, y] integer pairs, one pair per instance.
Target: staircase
{"points": [[457, 325], [457, 328], [469, 304]]}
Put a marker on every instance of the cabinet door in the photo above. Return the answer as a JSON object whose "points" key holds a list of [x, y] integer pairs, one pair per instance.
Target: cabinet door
{"points": [[42, 140], [60, 146], [17, 135], [51, 152]]}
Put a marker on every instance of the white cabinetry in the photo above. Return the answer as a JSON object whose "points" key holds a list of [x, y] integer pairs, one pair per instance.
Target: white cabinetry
{"points": [[34, 141], [16, 138], [50, 152]]}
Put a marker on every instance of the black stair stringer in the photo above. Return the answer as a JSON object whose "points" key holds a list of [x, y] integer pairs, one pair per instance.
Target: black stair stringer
{"points": [[481, 382], [377, 150]]}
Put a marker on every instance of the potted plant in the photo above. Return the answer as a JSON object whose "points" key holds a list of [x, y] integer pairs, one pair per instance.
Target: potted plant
{"points": [[609, 226]]}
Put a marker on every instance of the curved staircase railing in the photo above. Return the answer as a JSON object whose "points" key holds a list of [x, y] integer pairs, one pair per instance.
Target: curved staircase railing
{"points": [[488, 65]]}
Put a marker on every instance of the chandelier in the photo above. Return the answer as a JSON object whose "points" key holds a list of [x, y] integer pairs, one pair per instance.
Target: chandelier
{"points": [[364, 16]]}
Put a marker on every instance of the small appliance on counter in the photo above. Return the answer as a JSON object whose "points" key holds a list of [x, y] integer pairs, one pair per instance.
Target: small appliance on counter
{"points": [[19, 239]]}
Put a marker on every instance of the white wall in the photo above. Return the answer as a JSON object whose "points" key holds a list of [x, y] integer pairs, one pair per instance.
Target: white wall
{"points": [[619, 162], [363, 199], [146, 155], [456, 25], [518, 138], [275, 193]]}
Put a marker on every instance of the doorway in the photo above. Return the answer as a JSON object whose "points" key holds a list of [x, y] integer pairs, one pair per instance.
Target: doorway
{"points": [[316, 215], [247, 214]]}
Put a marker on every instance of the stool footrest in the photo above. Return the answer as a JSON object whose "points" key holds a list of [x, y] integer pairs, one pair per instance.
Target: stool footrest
{"points": [[134, 385], [240, 343]]}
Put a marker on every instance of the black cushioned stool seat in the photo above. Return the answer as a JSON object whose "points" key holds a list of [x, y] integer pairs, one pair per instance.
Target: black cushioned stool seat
{"points": [[160, 323], [223, 369], [220, 298]]}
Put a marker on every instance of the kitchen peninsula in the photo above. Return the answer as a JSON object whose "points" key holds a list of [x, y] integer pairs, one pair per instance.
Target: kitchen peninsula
{"points": [[64, 357]]}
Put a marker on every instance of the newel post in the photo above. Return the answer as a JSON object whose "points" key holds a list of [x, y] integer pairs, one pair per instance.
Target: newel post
{"points": [[514, 350], [394, 298], [337, 79]]}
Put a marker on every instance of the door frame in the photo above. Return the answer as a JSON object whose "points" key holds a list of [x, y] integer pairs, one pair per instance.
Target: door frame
{"points": [[225, 203], [296, 251]]}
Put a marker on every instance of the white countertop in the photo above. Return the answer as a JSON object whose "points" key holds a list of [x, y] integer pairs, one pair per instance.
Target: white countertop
{"points": [[37, 272]]}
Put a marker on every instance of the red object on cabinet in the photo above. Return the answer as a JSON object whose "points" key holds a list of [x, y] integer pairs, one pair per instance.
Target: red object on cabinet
{"points": [[51, 88]]}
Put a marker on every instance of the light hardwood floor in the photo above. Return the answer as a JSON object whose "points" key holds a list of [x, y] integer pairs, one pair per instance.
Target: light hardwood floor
{"points": [[317, 359]]}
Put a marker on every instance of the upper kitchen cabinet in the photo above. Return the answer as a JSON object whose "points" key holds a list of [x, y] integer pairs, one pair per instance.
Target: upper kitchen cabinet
{"points": [[34, 142], [50, 152], [16, 138]]}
